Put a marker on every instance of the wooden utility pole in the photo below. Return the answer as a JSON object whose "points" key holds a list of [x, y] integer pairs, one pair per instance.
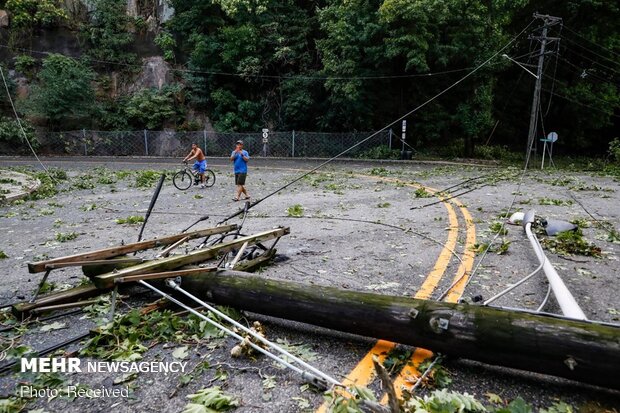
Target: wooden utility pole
{"points": [[531, 136], [579, 350]]}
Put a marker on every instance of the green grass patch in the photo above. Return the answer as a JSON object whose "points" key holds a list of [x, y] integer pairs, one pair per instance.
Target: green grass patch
{"points": [[64, 237], [556, 202], [422, 193], [295, 211], [130, 220]]}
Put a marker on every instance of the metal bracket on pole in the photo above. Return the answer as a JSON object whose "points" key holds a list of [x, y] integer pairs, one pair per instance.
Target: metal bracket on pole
{"points": [[113, 303], [238, 256], [38, 291]]}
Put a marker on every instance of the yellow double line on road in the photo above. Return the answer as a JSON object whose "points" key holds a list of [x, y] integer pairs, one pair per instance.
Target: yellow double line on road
{"points": [[363, 373]]}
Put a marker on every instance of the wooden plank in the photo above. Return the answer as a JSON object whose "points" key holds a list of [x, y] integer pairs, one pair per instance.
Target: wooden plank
{"points": [[22, 310], [574, 349], [172, 263], [39, 266], [164, 274]]}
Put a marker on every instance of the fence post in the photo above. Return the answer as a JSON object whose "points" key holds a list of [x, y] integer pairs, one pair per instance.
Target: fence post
{"points": [[204, 139], [146, 143], [390, 134], [293, 145], [84, 140]]}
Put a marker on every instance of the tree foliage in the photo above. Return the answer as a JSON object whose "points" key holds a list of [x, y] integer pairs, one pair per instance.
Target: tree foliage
{"points": [[335, 65], [63, 93], [35, 13], [107, 32]]}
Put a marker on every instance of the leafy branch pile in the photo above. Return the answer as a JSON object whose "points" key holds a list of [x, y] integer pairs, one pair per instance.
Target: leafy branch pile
{"points": [[124, 338]]}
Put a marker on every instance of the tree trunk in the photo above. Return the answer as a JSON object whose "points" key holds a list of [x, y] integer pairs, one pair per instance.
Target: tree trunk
{"points": [[578, 350]]}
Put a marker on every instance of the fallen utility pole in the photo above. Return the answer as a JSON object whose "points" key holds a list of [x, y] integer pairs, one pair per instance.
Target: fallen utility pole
{"points": [[574, 349]]}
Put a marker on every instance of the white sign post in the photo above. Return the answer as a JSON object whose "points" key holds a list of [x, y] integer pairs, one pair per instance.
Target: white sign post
{"points": [[551, 138], [265, 141]]}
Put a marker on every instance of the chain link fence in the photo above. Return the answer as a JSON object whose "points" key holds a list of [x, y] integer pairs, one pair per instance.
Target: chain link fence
{"points": [[177, 144]]}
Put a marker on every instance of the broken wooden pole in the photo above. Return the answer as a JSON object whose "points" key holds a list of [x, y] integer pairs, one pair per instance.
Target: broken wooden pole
{"points": [[194, 257], [574, 349], [105, 253], [23, 310]]}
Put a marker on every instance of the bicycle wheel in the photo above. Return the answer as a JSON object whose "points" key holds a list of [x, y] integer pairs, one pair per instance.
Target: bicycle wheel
{"points": [[209, 178], [182, 180]]}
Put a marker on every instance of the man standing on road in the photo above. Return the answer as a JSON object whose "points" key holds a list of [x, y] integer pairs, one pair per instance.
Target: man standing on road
{"points": [[240, 157], [200, 164]]}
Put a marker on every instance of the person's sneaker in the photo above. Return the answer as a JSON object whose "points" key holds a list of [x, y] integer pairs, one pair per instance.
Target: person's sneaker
{"points": [[202, 186]]}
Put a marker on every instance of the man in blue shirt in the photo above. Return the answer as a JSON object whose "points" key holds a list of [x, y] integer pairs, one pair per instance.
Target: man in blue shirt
{"points": [[240, 157]]}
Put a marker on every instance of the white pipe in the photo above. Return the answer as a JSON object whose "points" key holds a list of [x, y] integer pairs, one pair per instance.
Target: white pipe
{"points": [[569, 306], [251, 332], [304, 374]]}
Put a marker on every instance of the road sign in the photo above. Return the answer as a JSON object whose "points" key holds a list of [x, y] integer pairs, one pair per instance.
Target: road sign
{"points": [[265, 135], [552, 137]]}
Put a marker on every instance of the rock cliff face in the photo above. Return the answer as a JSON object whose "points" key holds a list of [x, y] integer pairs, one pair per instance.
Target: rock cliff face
{"points": [[155, 74]]}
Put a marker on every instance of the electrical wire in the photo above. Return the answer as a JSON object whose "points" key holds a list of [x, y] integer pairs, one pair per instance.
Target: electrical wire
{"points": [[372, 135], [594, 53], [591, 42], [21, 127], [582, 104], [555, 69], [232, 74]]}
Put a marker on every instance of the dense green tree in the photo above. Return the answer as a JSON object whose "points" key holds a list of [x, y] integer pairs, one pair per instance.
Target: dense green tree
{"points": [[153, 108], [108, 32], [63, 93]]}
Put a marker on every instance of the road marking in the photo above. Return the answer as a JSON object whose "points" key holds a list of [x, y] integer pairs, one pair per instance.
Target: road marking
{"points": [[410, 370], [363, 373]]}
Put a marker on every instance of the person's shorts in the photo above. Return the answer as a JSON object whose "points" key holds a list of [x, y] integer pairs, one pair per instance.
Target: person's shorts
{"points": [[200, 166], [240, 179]]}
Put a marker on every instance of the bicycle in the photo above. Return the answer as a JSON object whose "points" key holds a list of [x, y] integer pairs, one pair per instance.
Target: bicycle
{"points": [[183, 179]]}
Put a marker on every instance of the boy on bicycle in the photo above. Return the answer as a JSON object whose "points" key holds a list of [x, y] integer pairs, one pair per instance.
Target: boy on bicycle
{"points": [[200, 163]]}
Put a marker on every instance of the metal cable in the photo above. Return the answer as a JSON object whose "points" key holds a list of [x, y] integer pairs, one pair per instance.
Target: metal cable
{"points": [[372, 135], [21, 127]]}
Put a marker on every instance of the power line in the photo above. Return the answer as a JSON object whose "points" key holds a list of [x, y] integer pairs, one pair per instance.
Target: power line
{"points": [[241, 75], [596, 62], [591, 42], [372, 135], [594, 53], [585, 73], [21, 127], [581, 104]]}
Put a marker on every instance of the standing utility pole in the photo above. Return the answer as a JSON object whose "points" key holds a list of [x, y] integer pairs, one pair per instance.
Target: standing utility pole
{"points": [[548, 22]]}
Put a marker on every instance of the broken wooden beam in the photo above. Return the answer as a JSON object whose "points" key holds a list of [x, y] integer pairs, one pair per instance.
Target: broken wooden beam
{"points": [[194, 257], [579, 350], [102, 254], [23, 310]]}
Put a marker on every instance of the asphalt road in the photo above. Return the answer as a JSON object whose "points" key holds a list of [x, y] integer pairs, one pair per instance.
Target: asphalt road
{"points": [[327, 247]]}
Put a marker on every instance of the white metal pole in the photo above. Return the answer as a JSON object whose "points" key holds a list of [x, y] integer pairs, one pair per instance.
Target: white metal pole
{"points": [[568, 304], [226, 330], [262, 339]]}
